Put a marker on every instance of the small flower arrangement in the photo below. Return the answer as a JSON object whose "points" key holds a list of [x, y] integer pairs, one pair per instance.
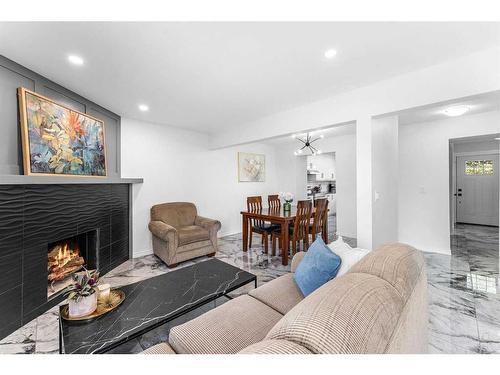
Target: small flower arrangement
{"points": [[84, 285], [287, 197]]}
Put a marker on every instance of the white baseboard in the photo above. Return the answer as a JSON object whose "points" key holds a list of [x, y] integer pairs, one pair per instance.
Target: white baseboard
{"points": [[141, 253], [220, 235]]}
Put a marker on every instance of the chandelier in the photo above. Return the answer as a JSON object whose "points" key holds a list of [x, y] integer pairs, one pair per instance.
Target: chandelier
{"points": [[306, 143]]}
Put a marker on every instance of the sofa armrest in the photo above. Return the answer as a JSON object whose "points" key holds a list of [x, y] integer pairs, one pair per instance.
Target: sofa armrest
{"points": [[297, 259], [164, 231], [208, 224]]}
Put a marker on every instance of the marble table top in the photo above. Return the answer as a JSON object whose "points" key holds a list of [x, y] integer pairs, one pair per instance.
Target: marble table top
{"points": [[151, 303]]}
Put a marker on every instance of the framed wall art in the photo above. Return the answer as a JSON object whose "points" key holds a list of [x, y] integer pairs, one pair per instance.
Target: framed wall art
{"points": [[251, 167], [58, 140]]}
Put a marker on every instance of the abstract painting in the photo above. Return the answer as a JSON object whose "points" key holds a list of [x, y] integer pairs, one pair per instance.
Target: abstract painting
{"points": [[251, 167], [58, 140]]}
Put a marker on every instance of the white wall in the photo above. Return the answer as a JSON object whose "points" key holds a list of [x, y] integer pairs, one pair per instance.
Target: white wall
{"points": [[178, 166], [385, 180], [364, 190], [424, 212], [344, 148]]}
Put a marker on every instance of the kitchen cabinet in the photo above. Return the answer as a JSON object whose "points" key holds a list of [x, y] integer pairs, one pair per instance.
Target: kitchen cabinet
{"points": [[324, 166]]}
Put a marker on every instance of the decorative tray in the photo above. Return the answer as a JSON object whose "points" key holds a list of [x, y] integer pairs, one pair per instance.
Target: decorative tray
{"points": [[116, 297]]}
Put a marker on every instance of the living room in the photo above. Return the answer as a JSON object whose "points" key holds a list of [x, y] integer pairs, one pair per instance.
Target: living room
{"points": [[162, 190]]}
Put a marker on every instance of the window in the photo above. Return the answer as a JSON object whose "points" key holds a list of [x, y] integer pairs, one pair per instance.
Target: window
{"points": [[479, 167]]}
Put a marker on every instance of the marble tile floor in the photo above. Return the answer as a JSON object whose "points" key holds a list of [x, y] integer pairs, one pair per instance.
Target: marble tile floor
{"points": [[464, 294]]}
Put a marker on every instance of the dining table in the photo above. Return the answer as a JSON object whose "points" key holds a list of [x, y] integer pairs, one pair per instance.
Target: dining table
{"points": [[280, 217]]}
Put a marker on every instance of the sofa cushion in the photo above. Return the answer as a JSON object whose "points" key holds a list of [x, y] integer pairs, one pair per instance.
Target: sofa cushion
{"points": [[318, 266], [353, 314], [161, 348], [350, 256], [275, 347], [192, 233], [226, 329], [280, 294], [398, 264], [176, 214]]}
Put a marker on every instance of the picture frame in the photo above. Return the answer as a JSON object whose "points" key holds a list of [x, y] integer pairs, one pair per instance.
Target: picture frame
{"points": [[58, 140], [251, 167]]}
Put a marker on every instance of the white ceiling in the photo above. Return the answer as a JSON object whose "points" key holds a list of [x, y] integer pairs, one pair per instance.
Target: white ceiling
{"points": [[477, 104], [214, 76]]}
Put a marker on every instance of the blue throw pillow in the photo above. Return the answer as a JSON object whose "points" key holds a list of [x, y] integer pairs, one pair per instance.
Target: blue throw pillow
{"points": [[319, 265]]}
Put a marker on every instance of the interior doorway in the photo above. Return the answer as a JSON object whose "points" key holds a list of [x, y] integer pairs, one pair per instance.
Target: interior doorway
{"points": [[475, 180]]}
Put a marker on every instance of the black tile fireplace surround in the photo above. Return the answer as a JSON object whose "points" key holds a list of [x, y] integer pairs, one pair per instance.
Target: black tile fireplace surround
{"points": [[34, 216]]}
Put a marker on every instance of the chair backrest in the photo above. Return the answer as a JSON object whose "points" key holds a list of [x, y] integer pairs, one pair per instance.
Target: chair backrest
{"points": [[274, 202], [176, 214], [321, 209], [254, 204], [302, 221]]}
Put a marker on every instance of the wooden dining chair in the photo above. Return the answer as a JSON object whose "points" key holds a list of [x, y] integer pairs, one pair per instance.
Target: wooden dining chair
{"points": [[299, 231], [318, 221], [274, 202], [254, 204]]}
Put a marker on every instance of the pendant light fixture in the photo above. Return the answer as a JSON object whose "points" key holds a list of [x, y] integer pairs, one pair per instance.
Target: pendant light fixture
{"points": [[306, 143]]}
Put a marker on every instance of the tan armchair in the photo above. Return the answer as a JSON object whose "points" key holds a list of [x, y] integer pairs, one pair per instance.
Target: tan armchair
{"points": [[179, 234]]}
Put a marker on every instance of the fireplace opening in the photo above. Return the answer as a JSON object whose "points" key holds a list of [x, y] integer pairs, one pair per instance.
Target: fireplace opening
{"points": [[69, 256]]}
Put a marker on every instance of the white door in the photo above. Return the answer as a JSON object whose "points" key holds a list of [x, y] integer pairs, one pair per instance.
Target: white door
{"points": [[477, 189]]}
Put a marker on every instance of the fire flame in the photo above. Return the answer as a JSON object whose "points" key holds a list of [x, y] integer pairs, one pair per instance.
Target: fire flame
{"points": [[65, 254]]}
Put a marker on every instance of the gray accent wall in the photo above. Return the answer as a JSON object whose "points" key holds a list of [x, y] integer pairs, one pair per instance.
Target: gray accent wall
{"points": [[12, 76]]}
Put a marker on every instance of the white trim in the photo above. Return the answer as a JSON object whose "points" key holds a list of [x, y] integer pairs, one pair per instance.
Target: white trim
{"points": [[141, 253], [472, 153], [225, 234]]}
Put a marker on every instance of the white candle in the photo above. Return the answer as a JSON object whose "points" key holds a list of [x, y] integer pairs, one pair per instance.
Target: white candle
{"points": [[104, 290]]}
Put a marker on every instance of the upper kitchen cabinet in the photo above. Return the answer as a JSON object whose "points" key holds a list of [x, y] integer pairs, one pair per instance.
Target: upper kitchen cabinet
{"points": [[323, 166]]}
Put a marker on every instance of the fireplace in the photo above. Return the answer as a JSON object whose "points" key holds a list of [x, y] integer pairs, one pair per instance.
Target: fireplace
{"points": [[69, 256]]}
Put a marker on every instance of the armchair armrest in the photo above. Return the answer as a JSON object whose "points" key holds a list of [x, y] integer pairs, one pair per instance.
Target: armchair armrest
{"points": [[297, 258], [206, 223], [164, 231]]}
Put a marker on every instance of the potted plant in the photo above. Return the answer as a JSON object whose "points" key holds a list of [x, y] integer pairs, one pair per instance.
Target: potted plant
{"points": [[288, 198], [82, 295]]}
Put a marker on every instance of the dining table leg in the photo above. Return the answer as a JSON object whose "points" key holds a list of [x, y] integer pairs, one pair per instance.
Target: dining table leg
{"points": [[245, 233], [286, 242]]}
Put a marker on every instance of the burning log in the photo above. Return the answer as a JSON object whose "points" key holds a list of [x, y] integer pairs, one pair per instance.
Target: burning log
{"points": [[63, 261], [56, 276], [56, 268]]}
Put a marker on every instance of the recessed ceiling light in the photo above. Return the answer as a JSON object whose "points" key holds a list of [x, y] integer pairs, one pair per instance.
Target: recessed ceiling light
{"points": [[457, 110], [143, 107], [497, 139], [330, 53], [76, 60]]}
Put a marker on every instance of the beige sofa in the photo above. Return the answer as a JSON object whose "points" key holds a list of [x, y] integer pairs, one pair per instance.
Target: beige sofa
{"points": [[379, 306], [179, 234]]}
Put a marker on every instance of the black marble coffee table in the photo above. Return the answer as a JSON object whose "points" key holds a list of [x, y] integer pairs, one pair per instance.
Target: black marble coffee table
{"points": [[151, 303]]}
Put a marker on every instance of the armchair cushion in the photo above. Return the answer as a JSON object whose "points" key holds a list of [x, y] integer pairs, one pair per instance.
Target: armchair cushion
{"points": [[163, 231], [192, 233]]}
